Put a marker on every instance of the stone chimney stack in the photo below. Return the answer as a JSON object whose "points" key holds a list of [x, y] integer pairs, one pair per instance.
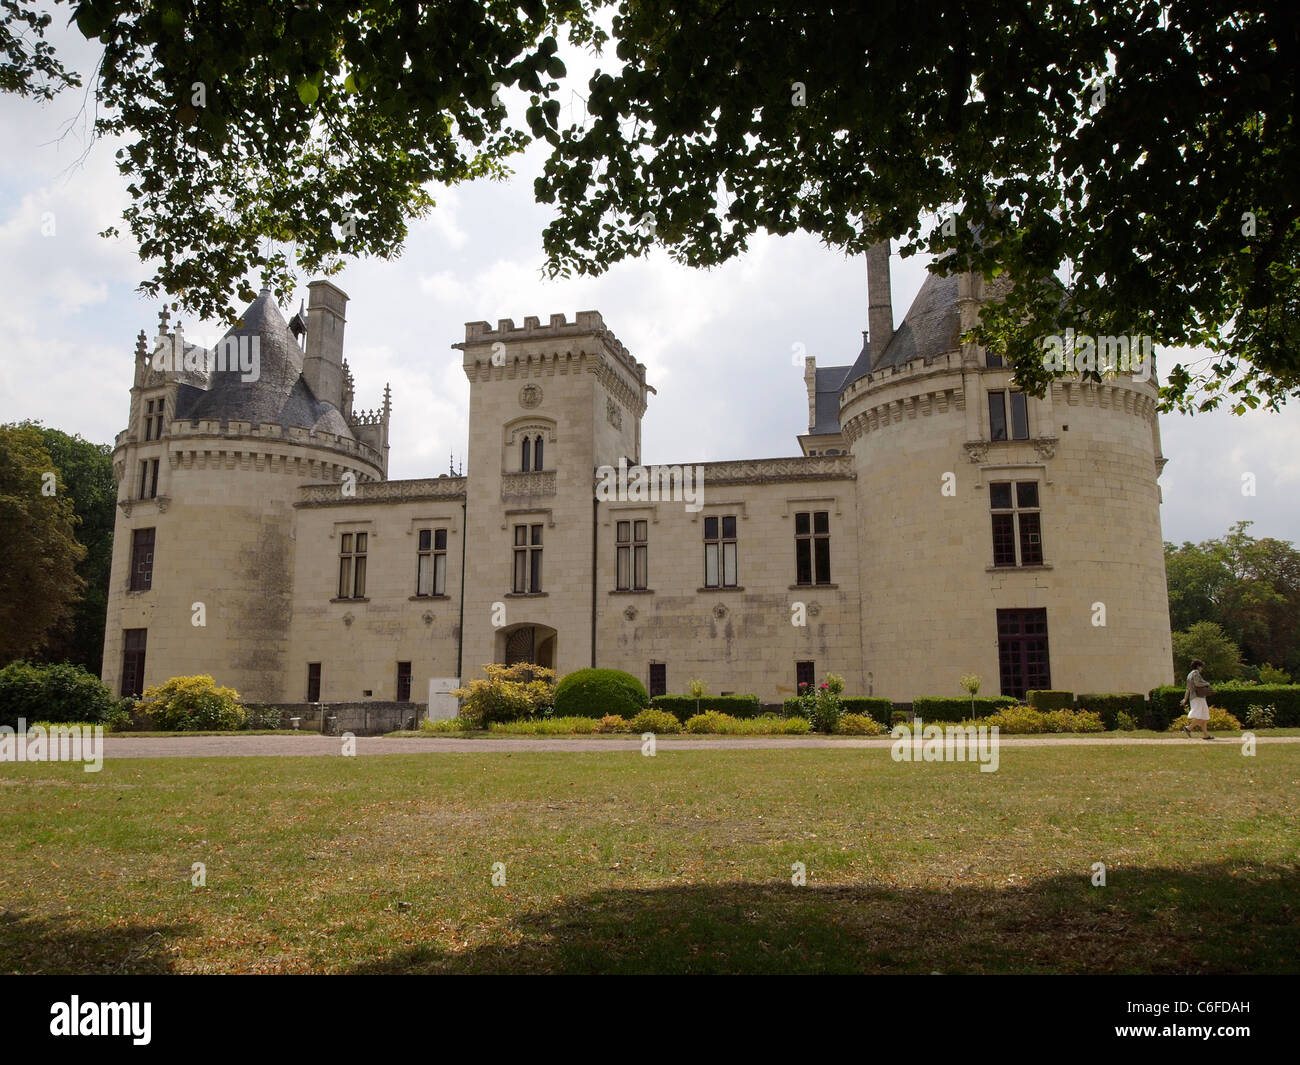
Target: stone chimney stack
{"points": [[322, 364], [880, 305]]}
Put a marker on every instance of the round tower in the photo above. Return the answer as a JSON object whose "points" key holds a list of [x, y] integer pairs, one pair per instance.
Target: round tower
{"points": [[1004, 535], [218, 443]]}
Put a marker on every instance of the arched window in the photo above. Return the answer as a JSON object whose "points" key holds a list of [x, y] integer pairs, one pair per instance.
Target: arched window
{"points": [[537, 452], [525, 448]]}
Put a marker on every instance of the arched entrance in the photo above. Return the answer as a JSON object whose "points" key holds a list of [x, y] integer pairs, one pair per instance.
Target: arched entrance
{"points": [[534, 644]]}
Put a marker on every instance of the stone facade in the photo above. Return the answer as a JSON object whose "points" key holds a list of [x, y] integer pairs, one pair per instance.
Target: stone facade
{"points": [[896, 496]]}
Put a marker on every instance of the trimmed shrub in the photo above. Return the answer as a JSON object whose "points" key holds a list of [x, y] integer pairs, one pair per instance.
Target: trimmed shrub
{"points": [[860, 725], [711, 721], [684, 706], [1047, 699], [660, 721], [62, 692], [1013, 720], [448, 724], [509, 693], [1073, 721], [944, 708], [1220, 721], [547, 726], [598, 693], [1125, 722], [612, 723], [193, 704], [1111, 704], [1236, 699]]}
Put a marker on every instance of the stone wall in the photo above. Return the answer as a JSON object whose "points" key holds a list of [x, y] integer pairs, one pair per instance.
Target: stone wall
{"points": [[361, 719]]}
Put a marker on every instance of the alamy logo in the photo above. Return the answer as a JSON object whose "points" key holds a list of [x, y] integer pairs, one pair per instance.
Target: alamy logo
{"points": [[234, 354], [651, 484], [58, 743], [956, 743], [102, 1018], [1108, 355]]}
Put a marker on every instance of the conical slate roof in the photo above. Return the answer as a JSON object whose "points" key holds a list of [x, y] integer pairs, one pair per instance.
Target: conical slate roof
{"points": [[931, 327], [280, 394]]}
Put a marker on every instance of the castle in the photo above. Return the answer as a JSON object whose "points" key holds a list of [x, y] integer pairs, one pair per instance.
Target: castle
{"points": [[936, 523]]}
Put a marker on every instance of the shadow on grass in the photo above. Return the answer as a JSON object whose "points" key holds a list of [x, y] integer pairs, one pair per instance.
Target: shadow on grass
{"points": [[31, 944], [1222, 918]]}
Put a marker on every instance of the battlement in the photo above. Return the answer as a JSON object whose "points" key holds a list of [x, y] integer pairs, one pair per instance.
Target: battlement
{"points": [[585, 323]]}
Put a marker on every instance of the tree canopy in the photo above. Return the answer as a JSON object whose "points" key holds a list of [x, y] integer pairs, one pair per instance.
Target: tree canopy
{"points": [[1131, 165], [39, 584], [1248, 587]]}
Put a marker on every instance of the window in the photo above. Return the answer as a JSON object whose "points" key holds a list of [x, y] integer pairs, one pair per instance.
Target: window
{"points": [[153, 420], [142, 544], [403, 682], [720, 552], [537, 453], [1023, 659], [352, 565], [148, 478], [804, 676], [133, 645], [431, 563], [998, 416], [632, 552], [992, 359], [525, 455], [1017, 523], [528, 559], [313, 682], [658, 679], [812, 547]]}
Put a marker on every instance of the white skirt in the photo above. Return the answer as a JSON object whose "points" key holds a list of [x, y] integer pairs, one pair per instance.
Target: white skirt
{"points": [[1200, 709]]}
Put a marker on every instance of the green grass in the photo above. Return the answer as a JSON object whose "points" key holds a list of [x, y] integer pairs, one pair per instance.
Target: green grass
{"points": [[620, 863]]}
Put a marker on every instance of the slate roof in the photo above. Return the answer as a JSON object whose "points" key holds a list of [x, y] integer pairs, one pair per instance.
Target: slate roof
{"points": [[930, 328], [279, 395], [830, 379]]}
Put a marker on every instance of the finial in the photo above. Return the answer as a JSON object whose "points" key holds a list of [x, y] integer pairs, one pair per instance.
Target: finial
{"points": [[388, 397], [141, 345], [164, 317]]}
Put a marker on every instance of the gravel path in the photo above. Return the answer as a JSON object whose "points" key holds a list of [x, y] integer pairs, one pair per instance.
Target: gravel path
{"points": [[264, 746]]}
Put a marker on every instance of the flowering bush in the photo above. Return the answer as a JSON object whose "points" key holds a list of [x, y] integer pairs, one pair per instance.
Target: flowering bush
{"points": [[821, 705], [510, 693], [193, 704], [613, 723]]}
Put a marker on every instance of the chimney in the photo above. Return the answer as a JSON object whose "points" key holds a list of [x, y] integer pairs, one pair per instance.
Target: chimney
{"points": [[322, 364], [880, 306]]}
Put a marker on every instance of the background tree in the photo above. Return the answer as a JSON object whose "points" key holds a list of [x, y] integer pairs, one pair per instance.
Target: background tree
{"points": [[1249, 587], [85, 470], [1131, 164], [39, 585], [1208, 642]]}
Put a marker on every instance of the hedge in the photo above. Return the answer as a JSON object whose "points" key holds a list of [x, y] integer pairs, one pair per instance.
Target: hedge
{"points": [[1111, 704], [944, 708], [1236, 699], [873, 707], [683, 707], [597, 692], [1045, 699]]}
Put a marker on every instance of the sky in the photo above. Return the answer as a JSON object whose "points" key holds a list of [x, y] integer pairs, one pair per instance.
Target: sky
{"points": [[718, 345]]}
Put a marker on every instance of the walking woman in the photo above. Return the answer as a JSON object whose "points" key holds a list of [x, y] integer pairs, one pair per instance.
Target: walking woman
{"points": [[1198, 692]]}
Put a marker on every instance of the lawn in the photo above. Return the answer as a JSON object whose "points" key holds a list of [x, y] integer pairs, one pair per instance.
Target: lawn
{"points": [[616, 862]]}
